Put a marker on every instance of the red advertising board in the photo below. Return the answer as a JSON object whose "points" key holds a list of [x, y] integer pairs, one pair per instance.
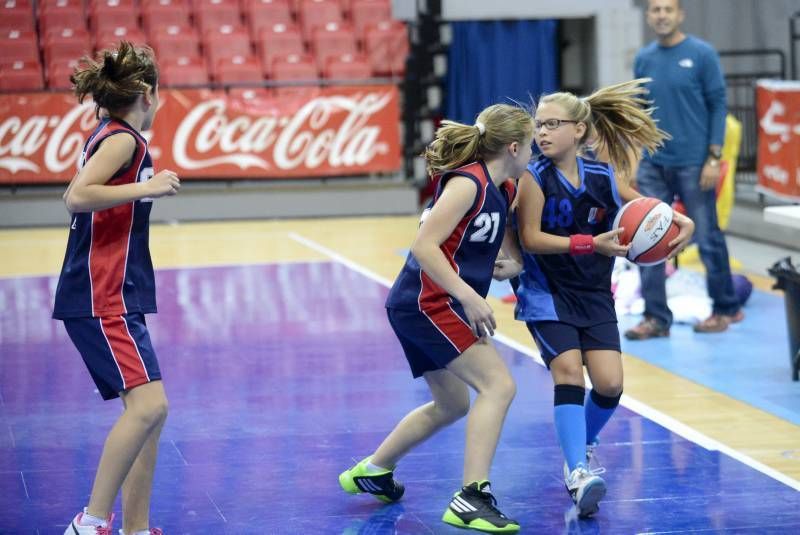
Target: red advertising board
{"points": [[210, 134], [778, 112]]}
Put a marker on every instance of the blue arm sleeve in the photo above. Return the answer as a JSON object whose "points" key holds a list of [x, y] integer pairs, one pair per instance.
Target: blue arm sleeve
{"points": [[714, 95]]}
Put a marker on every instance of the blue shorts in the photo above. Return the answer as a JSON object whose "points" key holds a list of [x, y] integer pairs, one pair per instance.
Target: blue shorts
{"points": [[434, 339], [554, 337], [117, 351]]}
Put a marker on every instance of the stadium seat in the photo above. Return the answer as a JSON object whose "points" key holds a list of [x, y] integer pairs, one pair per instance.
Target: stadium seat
{"points": [[225, 42], [315, 13], [278, 40], [213, 14], [366, 12], [238, 69], [347, 67], [163, 13], [191, 72], [15, 16], [332, 40], [386, 47], [21, 76], [172, 42], [16, 45], [66, 43]]}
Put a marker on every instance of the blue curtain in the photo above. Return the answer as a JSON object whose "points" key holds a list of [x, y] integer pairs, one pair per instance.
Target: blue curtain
{"points": [[493, 61]]}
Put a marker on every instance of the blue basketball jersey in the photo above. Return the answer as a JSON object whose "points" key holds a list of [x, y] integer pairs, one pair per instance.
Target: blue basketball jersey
{"points": [[471, 248], [107, 269], [563, 287]]}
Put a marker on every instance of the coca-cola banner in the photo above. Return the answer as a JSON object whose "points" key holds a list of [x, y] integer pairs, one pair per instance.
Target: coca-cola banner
{"points": [[778, 109], [210, 134]]}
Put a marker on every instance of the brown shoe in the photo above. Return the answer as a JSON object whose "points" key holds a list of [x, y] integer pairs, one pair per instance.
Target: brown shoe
{"points": [[717, 323], [647, 328]]}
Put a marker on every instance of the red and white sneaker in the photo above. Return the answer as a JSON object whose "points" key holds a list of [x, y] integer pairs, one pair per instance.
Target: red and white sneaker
{"points": [[152, 531], [76, 528]]}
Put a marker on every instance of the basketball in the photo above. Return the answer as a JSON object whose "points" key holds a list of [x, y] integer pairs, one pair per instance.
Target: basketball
{"points": [[648, 228]]}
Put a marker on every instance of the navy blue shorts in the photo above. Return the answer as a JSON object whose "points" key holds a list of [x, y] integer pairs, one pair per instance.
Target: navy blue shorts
{"points": [[431, 340], [554, 337], [117, 351]]}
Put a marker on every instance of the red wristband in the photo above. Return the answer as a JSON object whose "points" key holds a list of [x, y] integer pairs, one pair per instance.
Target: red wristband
{"points": [[581, 244]]}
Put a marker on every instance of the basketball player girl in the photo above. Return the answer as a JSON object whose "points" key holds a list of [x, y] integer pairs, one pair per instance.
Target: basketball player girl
{"points": [[567, 204], [107, 284], [438, 310]]}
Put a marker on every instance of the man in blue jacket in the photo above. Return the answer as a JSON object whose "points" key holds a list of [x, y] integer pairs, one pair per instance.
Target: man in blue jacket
{"points": [[688, 92]]}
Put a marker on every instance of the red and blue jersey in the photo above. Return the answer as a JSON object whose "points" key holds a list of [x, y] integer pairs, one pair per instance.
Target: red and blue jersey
{"points": [[562, 287], [471, 248], [107, 269]]}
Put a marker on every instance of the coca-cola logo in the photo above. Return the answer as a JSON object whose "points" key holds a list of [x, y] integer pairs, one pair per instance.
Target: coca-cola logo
{"points": [[62, 137], [304, 139], [42, 135]]}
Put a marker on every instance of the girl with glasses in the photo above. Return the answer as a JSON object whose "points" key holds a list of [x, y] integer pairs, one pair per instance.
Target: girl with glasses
{"points": [[567, 204]]}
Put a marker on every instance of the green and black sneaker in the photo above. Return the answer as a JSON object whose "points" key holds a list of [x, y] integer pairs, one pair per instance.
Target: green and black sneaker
{"points": [[475, 508], [380, 484]]}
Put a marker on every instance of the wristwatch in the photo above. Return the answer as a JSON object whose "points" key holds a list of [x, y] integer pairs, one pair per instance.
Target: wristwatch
{"points": [[715, 153]]}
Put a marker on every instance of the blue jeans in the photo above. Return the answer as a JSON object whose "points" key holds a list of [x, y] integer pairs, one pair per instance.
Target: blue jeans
{"points": [[665, 183]]}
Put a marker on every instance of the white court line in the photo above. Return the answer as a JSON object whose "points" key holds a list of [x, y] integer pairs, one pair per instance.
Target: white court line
{"points": [[628, 402]]}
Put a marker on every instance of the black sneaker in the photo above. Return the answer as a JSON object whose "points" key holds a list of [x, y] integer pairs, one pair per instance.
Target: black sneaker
{"points": [[474, 508], [381, 485]]}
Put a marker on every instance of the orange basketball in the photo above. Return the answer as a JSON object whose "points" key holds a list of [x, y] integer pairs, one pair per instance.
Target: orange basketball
{"points": [[648, 228]]}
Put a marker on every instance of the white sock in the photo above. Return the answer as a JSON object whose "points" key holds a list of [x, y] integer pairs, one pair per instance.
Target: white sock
{"points": [[140, 532], [89, 520], [375, 469]]}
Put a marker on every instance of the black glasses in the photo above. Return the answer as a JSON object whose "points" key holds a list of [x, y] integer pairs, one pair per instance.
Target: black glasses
{"points": [[551, 124]]}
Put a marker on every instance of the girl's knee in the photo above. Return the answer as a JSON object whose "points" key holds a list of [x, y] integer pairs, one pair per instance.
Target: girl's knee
{"points": [[452, 410]]}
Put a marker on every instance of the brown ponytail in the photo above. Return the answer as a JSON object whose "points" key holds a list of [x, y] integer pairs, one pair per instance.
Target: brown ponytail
{"points": [[496, 127], [618, 119], [117, 77]]}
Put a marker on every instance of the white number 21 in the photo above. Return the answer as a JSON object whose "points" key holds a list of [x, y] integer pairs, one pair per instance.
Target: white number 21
{"points": [[486, 223]]}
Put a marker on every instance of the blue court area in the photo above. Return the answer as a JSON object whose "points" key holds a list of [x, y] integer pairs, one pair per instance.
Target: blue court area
{"points": [[748, 362], [279, 376]]}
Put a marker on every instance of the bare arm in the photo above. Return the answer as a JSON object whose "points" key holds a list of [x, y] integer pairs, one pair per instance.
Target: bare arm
{"points": [[454, 202], [89, 191]]}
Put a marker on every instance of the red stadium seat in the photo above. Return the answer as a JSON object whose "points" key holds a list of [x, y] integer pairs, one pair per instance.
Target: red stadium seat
{"points": [[106, 17], [250, 94], [366, 12], [172, 42], [315, 13], [347, 67], [278, 41], [238, 69], [14, 16], [300, 68], [50, 5], [66, 43], [58, 18], [386, 46], [212, 14], [160, 14], [111, 37], [21, 76], [190, 72], [266, 13], [332, 40], [16, 45], [225, 42], [58, 72]]}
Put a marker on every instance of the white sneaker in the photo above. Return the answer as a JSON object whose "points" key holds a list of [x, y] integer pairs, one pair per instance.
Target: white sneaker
{"points": [[590, 456], [586, 489], [75, 527]]}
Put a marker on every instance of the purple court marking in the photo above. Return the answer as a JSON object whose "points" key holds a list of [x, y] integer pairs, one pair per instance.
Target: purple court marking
{"points": [[278, 376]]}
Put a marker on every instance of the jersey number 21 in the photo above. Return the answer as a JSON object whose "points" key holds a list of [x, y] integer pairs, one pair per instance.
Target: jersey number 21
{"points": [[487, 224]]}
